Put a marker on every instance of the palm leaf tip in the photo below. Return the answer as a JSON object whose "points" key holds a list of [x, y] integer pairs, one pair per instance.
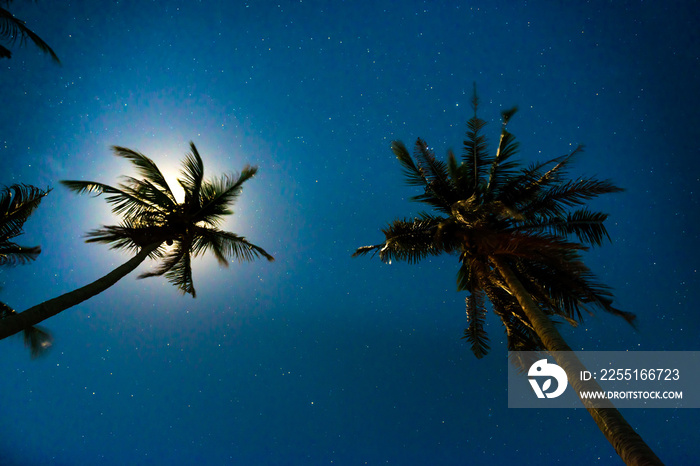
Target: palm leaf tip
{"points": [[479, 343], [508, 114], [361, 251], [38, 340], [250, 170], [630, 318], [83, 187], [252, 252], [256, 251]]}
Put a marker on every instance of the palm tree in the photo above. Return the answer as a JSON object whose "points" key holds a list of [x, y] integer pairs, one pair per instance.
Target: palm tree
{"points": [[155, 225], [13, 29], [509, 227], [17, 202]]}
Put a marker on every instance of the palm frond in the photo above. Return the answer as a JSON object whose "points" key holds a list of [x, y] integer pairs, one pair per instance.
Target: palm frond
{"points": [[525, 188], [206, 239], [363, 250], [414, 176], [533, 246], [475, 333], [219, 193], [180, 274], [465, 277], [130, 202], [145, 190], [193, 175], [475, 155], [556, 199], [522, 187], [12, 29], [457, 173], [130, 237], [116, 236], [588, 226], [12, 254], [501, 169], [439, 190], [17, 202], [557, 173], [226, 246], [88, 187], [563, 283], [556, 291], [146, 168], [176, 266], [406, 240]]}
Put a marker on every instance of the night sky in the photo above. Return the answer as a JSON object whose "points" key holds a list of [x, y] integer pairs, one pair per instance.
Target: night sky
{"points": [[319, 358]]}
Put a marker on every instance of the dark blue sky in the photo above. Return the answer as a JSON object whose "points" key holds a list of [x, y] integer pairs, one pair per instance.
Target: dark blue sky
{"points": [[318, 358]]}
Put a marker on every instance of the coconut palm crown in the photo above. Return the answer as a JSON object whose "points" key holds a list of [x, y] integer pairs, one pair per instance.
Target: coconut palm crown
{"points": [[510, 227], [487, 208], [173, 232]]}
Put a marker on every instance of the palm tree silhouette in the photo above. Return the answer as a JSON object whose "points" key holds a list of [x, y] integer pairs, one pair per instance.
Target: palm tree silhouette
{"points": [[155, 225], [509, 227], [17, 202], [13, 29]]}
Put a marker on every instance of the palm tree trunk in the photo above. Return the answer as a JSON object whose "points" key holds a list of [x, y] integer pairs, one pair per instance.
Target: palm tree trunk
{"points": [[32, 316], [627, 443]]}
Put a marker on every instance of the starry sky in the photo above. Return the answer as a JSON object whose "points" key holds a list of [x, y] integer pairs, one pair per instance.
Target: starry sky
{"points": [[318, 358]]}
